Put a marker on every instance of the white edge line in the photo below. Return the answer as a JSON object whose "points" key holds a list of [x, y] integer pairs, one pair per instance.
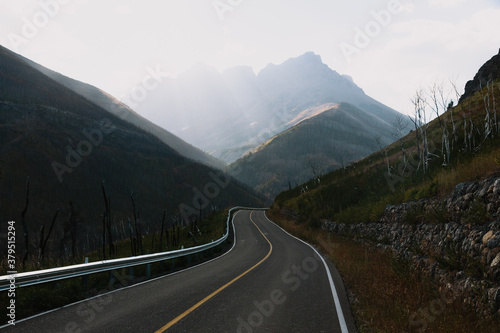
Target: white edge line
{"points": [[133, 285], [340, 314]]}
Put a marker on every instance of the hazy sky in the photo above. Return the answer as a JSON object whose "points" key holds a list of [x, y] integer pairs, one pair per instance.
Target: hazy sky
{"points": [[389, 47]]}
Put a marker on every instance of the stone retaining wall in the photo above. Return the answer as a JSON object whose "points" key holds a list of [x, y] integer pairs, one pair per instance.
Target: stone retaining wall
{"points": [[461, 253]]}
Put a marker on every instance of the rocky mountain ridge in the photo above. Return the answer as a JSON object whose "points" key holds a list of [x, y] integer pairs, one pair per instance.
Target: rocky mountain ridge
{"points": [[200, 102], [488, 73]]}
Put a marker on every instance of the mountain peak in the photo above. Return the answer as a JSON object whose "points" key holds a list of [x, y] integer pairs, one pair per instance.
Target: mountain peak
{"points": [[311, 56]]}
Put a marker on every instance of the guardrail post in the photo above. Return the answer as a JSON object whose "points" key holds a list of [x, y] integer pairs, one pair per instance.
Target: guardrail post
{"points": [[85, 280], [148, 270], [131, 273], [112, 279]]}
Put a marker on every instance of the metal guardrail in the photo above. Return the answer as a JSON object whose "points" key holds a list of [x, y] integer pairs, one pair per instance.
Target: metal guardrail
{"points": [[54, 274]]}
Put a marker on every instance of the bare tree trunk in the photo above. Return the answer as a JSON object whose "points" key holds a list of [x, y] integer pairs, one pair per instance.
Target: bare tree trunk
{"points": [[398, 127], [487, 118], [132, 239], [104, 235], [417, 137], [419, 105], [167, 237], [136, 224], [465, 131], [161, 232], [436, 93], [139, 241], [495, 124], [44, 242], [23, 219], [377, 139], [107, 220], [72, 224], [40, 243]]}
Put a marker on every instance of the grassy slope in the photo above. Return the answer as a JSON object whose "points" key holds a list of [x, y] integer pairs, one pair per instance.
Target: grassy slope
{"points": [[341, 134], [361, 192], [388, 296]]}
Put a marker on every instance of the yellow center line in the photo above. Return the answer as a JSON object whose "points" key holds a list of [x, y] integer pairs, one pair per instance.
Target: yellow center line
{"points": [[200, 303]]}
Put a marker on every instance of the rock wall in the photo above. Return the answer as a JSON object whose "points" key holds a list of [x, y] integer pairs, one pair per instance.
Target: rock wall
{"points": [[462, 252]]}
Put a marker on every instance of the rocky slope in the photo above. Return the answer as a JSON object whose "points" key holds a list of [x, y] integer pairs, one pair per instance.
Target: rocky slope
{"points": [[490, 71], [462, 252]]}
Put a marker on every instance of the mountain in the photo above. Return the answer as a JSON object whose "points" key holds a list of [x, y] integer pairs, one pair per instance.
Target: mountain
{"points": [[369, 188], [489, 72], [119, 109], [323, 139], [257, 107], [67, 145]]}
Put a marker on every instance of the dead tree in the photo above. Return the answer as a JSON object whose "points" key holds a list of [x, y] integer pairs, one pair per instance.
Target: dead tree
{"points": [[23, 220], [419, 104], [378, 140], [136, 222], [107, 220], [132, 238], [139, 229], [398, 126], [455, 132], [436, 93], [72, 225], [492, 107], [40, 243], [497, 122], [104, 235], [416, 123], [487, 118], [161, 232], [43, 242]]}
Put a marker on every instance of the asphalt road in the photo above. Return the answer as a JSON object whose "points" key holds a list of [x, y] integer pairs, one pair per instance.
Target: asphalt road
{"points": [[269, 282]]}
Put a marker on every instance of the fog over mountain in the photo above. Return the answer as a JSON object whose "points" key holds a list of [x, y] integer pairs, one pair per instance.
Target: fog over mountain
{"points": [[68, 145], [228, 114]]}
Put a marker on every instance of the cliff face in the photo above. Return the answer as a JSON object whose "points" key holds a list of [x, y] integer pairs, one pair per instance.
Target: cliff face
{"points": [[462, 252], [490, 71]]}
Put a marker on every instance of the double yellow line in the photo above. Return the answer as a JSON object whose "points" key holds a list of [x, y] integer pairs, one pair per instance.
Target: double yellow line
{"points": [[200, 303]]}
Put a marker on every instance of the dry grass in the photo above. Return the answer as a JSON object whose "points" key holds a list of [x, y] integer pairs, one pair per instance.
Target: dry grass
{"points": [[481, 167], [387, 295]]}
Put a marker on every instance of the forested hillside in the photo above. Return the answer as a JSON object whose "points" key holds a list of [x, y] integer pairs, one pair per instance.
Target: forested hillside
{"points": [[315, 146], [60, 152]]}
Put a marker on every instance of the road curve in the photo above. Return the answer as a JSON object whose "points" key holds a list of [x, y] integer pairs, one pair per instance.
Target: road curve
{"points": [[269, 282]]}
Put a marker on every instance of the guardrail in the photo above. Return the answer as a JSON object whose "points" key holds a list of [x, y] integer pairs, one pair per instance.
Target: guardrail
{"points": [[54, 274]]}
